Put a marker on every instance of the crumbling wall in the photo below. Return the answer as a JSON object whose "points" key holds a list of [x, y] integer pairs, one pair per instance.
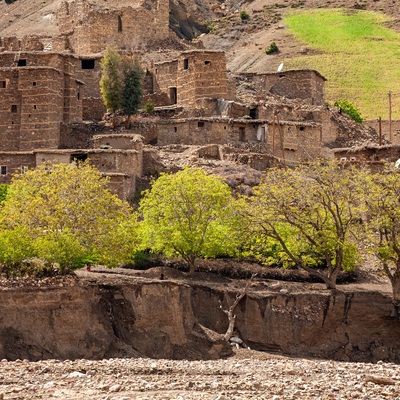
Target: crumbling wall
{"points": [[307, 85], [91, 27]]}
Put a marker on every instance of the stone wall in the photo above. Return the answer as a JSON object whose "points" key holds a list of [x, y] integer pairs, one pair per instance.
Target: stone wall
{"points": [[194, 75], [15, 162], [307, 85], [38, 92], [91, 27]]}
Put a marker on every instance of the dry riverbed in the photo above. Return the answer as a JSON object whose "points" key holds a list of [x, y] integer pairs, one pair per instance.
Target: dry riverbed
{"points": [[247, 375]]}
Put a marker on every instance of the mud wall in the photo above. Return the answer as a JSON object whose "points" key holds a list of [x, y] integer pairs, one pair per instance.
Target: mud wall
{"points": [[163, 319]]}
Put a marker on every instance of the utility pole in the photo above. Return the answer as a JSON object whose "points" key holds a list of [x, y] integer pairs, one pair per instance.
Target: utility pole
{"points": [[390, 115]]}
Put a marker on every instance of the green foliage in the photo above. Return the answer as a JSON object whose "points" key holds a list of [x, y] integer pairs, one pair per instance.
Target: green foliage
{"points": [[307, 218], [349, 108], [244, 16], [273, 48], [382, 193], [67, 215], [15, 246], [149, 107], [3, 192], [111, 82], [188, 214], [132, 89], [363, 74], [120, 83]]}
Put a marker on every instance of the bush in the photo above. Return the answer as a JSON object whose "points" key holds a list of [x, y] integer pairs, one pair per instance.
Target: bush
{"points": [[149, 107], [3, 192], [349, 108], [273, 48], [244, 16]]}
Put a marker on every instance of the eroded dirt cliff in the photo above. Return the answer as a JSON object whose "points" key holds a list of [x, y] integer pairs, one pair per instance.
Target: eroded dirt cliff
{"points": [[137, 314]]}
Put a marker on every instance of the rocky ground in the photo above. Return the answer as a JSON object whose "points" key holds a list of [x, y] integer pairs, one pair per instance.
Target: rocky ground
{"points": [[247, 375]]}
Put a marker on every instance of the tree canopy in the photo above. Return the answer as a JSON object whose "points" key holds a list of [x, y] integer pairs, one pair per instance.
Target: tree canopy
{"points": [[382, 192], [307, 215], [188, 214], [67, 211], [121, 82]]}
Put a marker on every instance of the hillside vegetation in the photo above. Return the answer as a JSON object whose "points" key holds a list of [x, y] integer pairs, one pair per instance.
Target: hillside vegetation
{"points": [[355, 51]]}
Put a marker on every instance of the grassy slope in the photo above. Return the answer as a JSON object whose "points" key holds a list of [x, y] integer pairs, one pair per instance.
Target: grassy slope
{"points": [[359, 56]]}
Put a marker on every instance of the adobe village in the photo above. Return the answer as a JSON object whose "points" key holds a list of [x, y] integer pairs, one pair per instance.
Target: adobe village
{"points": [[206, 115], [52, 108]]}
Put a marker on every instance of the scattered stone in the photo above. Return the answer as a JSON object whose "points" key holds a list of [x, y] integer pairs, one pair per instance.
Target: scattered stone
{"points": [[380, 380]]}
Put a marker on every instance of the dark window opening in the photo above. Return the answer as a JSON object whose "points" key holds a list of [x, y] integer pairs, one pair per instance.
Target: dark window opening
{"points": [[78, 95], [175, 129], [200, 124], [119, 23], [3, 170], [242, 134], [21, 63], [302, 128], [186, 63], [3, 84], [35, 107], [207, 62], [173, 95], [253, 113], [87, 64], [14, 108], [79, 157], [281, 76], [225, 127], [33, 83]]}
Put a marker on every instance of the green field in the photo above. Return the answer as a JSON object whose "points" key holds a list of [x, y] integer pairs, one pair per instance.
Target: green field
{"points": [[356, 52]]}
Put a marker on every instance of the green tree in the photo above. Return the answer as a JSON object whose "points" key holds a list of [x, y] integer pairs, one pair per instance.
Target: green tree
{"points": [[309, 213], [349, 108], [68, 210], [3, 192], [111, 82], [188, 214], [132, 90], [382, 191]]}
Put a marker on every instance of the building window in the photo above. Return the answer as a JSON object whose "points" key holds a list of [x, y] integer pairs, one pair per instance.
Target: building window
{"points": [[33, 83], [21, 63], [119, 23], [186, 63], [200, 124], [3, 84], [79, 157], [14, 108], [35, 107], [24, 169], [242, 134], [87, 64], [175, 129], [207, 62], [3, 170], [78, 95], [302, 128], [253, 113]]}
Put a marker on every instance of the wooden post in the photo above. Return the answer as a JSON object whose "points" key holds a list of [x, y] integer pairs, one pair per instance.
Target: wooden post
{"points": [[281, 137], [390, 115], [380, 131], [273, 134]]}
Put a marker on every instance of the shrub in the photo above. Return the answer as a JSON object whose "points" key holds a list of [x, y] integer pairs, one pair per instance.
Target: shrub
{"points": [[273, 48], [149, 107], [244, 16], [349, 108]]}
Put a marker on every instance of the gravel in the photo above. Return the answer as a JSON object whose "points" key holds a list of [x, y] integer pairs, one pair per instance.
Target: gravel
{"points": [[247, 375]]}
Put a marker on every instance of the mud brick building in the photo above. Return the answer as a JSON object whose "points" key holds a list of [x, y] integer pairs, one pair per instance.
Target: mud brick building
{"points": [[38, 92]]}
